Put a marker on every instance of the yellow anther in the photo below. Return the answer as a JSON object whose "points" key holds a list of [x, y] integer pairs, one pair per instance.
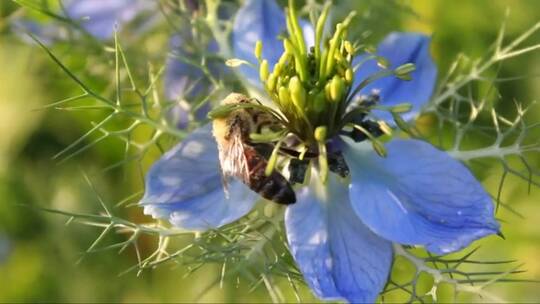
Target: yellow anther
{"points": [[258, 50], [337, 87], [284, 96], [320, 133], [298, 93], [349, 75], [271, 82], [263, 70]]}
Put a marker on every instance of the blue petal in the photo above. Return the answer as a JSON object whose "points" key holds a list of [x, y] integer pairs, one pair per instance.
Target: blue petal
{"points": [[398, 49], [100, 17], [419, 195], [181, 80], [258, 20], [339, 256], [185, 186], [185, 82], [45, 33]]}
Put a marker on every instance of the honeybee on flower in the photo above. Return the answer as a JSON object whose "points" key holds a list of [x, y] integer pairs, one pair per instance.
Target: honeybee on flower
{"points": [[358, 188]]}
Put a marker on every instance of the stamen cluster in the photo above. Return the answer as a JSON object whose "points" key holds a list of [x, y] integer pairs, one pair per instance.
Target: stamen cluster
{"points": [[310, 86], [313, 92]]}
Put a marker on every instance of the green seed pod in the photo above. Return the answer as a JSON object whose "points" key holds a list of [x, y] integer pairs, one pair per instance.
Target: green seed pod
{"points": [[263, 70], [258, 50], [298, 93], [337, 86], [321, 133]]}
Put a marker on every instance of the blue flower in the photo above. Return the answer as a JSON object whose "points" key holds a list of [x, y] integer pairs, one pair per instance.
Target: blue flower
{"points": [[100, 19], [184, 81], [340, 232]]}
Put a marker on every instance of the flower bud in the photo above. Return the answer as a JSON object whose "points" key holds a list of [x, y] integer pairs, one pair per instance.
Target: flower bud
{"points": [[298, 93], [321, 133], [337, 86], [263, 70], [258, 50]]}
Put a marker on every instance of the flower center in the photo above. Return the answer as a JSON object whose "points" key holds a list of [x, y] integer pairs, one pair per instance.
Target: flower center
{"points": [[313, 89], [316, 99], [310, 86]]}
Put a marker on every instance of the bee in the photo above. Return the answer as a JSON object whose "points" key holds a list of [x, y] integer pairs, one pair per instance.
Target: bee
{"points": [[241, 159]]}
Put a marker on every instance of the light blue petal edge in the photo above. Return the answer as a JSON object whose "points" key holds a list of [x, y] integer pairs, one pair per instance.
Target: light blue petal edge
{"points": [[185, 186], [400, 48], [418, 195], [338, 255]]}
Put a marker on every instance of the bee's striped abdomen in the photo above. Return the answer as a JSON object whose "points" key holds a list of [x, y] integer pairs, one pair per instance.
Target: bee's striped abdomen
{"points": [[274, 187]]}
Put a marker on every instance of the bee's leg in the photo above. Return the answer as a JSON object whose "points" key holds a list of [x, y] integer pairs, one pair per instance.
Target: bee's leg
{"points": [[297, 170], [337, 164], [265, 150]]}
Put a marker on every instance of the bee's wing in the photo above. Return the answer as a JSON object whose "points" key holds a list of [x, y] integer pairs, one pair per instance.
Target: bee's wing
{"points": [[233, 159]]}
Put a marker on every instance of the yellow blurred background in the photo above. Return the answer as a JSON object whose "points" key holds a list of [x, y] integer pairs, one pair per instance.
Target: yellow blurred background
{"points": [[38, 252]]}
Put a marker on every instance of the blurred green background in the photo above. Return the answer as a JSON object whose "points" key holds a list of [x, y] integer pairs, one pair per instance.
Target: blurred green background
{"points": [[38, 252]]}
